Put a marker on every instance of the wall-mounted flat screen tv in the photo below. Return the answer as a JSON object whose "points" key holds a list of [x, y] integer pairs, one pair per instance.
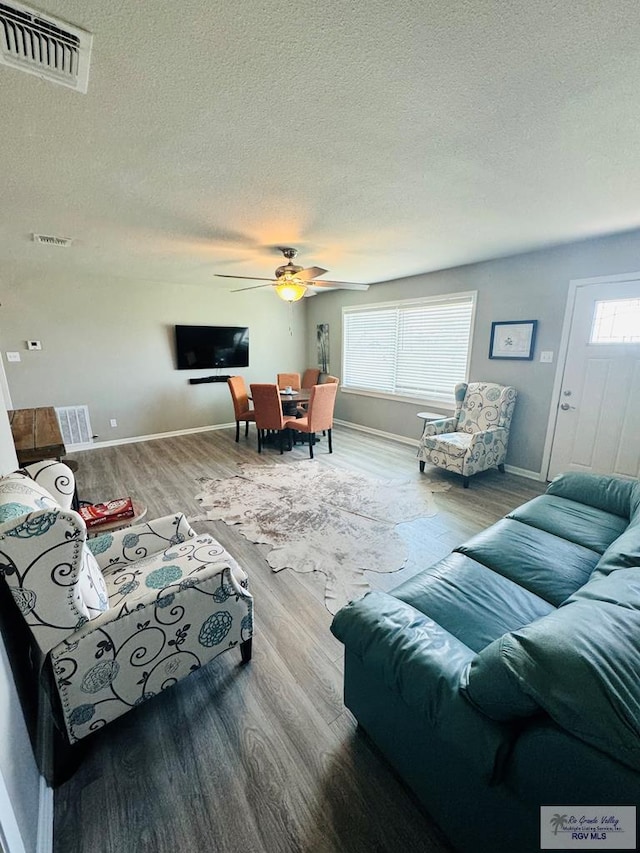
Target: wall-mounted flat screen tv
{"points": [[206, 347]]}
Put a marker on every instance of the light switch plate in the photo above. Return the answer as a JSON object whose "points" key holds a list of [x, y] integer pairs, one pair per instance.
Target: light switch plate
{"points": [[546, 356], [34, 345], [13, 356]]}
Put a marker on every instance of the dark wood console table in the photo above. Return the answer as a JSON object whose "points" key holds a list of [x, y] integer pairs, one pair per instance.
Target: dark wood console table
{"points": [[36, 434]]}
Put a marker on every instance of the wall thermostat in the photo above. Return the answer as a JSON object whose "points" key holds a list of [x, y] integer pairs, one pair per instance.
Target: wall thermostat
{"points": [[34, 345]]}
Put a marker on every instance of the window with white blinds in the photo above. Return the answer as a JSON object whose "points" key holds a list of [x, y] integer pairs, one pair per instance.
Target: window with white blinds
{"points": [[408, 349]]}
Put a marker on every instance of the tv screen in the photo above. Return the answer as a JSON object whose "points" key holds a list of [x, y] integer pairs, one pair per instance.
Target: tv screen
{"points": [[205, 347]]}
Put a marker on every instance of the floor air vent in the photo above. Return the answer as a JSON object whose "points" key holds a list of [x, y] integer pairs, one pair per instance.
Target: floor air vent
{"points": [[75, 425], [44, 46]]}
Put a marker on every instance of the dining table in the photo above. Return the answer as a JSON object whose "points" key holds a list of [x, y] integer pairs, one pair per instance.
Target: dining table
{"points": [[291, 401]]}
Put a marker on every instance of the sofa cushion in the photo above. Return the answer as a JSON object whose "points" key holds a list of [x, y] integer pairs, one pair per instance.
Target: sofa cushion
{"points": [[623, 552], [621, 587], [585, 525], [541, 562], [493, 686], [454, 444], [470, 601], [580, 664], [609, 493]]}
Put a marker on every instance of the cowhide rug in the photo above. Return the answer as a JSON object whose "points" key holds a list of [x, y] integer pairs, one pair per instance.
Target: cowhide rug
{"points": [[320, 519]]}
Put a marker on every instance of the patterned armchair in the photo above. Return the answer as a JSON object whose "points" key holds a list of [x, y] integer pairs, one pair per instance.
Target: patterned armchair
{"points": [[121, 616], [476, 437]]}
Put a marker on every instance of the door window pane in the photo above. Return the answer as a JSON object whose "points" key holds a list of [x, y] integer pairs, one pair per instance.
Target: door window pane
{"points": [[616, 321]]}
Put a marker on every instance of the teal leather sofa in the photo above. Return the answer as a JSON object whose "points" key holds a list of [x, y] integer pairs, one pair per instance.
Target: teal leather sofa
{"points": [[507, 676]]}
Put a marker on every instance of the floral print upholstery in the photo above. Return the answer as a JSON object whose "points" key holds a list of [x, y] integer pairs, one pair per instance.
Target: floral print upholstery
{"points": [[476, 438], [124, 615]]}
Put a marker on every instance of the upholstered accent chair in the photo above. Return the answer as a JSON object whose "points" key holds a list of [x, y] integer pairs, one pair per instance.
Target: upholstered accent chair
{"points": [[319, 415], [241, 409], [267, 404], [310, 377], [121, 617], [476, 437], [286, 380], [331, 380]]}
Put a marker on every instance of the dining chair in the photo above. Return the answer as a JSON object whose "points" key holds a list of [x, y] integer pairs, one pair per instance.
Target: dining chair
{"points": [[310, 377], [328, 380], [241, 408], [319, 415], [267, 405], [289, 379]]}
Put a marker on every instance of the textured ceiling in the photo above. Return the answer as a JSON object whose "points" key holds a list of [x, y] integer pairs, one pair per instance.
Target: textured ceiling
{"points": [[381, 139]]}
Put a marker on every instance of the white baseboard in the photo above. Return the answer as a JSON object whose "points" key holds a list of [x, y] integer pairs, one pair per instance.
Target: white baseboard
{"points": [[95, 445], [413, 442], [401, 439], [522, 472], [45, 819]]}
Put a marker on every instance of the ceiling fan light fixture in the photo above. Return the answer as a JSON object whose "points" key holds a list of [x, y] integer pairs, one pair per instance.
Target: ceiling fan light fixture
{"points": [[290, 289]]}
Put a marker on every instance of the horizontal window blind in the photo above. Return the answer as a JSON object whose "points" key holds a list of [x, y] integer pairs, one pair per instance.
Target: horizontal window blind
{"points": [[411, 350]]}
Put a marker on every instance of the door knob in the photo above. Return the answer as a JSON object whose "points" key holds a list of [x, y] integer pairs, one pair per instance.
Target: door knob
{"points": [[567, 393], [565, 407]]}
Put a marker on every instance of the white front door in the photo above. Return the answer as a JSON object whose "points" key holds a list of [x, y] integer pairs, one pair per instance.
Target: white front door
{"points": [[599, 406]]}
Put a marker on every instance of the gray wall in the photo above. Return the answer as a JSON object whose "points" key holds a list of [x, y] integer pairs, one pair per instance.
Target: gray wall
{"points": [[533, 286], [17, 764], [109, 343]]}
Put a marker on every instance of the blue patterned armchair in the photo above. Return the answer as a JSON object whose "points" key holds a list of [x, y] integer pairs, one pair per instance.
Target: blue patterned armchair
{"points": [[121, 616], [476, 437]]}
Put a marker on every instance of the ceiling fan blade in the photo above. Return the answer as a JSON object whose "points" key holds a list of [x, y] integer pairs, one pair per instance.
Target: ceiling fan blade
{"points": [[247, 277], [343, 285], [255, 287], [310, 272]]}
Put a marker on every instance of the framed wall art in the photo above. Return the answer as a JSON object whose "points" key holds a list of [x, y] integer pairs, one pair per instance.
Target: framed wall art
{"points": [[513, 339], [322, 334]]}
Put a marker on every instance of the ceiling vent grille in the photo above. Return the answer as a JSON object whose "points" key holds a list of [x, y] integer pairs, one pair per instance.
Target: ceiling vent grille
{"points": [[44, 46], [49, 240]]}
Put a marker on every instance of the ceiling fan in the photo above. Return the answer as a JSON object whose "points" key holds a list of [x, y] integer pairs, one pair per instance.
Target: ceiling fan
{"points": [[291, 282]]}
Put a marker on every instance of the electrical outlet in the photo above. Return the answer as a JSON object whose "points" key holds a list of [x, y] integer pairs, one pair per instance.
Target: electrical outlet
{"points": [[546, 356], [113, 422], [13, 356], [34, 345]]}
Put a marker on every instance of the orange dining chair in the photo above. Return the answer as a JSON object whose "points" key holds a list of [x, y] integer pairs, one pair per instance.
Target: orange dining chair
{"points": [[241, 408], [267, 405], [289, 379], [319, 415], [310, 377], [328, 380]]}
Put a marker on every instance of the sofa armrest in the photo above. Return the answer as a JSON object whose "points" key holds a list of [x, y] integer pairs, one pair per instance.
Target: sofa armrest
{"points": [[56, 477], [610, 494], [440, 426], [424, 664], [123, 547], [488, 437], [41, 558]]}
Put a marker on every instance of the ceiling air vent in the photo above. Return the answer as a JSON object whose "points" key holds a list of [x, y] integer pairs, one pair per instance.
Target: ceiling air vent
{"points": [[48, 240], [44, 46]]}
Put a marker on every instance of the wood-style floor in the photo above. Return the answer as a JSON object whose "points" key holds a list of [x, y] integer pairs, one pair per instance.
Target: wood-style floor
{"points": [[262, 758]]}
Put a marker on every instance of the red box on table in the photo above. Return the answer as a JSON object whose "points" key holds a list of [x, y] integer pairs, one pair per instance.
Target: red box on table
{"points": [[97, 514]]}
